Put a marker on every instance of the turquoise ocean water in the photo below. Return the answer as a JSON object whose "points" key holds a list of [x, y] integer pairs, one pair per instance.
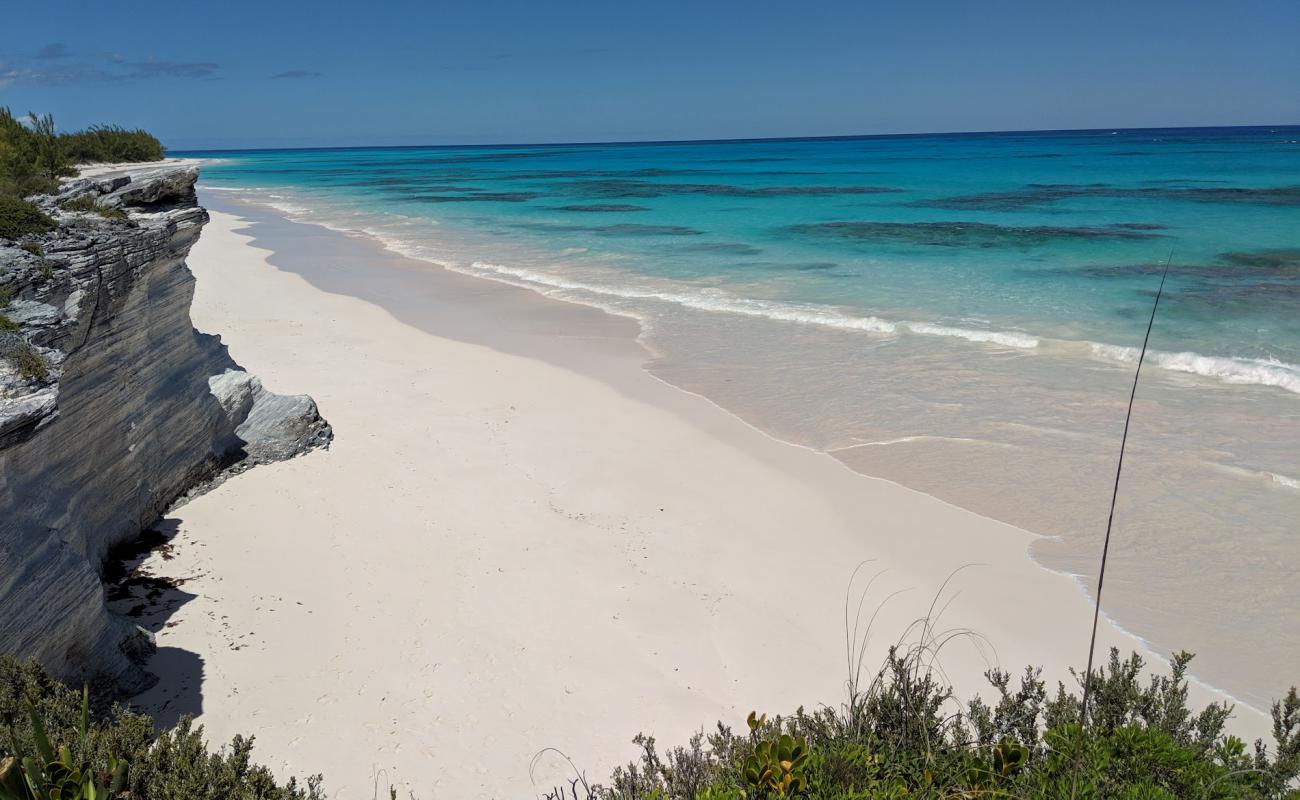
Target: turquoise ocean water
{"points": [[958, 313]]}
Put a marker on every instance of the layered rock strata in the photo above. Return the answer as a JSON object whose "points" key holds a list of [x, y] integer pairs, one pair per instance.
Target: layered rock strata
{"points": [[112, 406]]}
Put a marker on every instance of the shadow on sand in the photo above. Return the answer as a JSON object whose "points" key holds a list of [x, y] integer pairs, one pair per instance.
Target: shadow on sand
{"points": [[134, 591]]}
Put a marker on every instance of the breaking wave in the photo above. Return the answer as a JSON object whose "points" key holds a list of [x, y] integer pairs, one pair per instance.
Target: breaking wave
{"points": [[1004, 338], [1256, 371], [716, 300]]}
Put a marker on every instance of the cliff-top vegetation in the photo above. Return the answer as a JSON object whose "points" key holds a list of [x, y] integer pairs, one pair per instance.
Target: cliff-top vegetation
{"points": [[34, 155]]}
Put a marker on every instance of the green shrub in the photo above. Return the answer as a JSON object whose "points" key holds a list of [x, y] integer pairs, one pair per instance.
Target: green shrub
{"points": [[28, 360], [107, 143], [175, 764], [32, 247], [20, 172], [7, 324], [47, 773], [34, 156], [20, 218], [50, 158], [6, 294], [908, 738]]}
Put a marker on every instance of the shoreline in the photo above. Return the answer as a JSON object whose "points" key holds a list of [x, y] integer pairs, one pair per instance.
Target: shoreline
{"points": [[1027, 437], [648, 355], [579, 354]]}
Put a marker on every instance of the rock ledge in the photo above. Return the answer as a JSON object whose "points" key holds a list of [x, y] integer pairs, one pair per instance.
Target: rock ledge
{"points": [[134, 409]]}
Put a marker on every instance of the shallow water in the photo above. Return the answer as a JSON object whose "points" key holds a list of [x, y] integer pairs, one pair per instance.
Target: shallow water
{"points": [[957, 313]]}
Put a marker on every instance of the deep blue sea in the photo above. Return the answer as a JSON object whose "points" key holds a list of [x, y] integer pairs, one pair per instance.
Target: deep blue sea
{"points": [[958, 313]]}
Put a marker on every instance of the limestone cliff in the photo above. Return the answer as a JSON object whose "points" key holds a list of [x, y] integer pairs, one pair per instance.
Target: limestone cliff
{"points": [[111, 407]]}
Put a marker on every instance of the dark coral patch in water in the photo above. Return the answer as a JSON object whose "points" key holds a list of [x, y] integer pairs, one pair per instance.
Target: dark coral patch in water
{"points": [[798, 266], [625, 229], [1271, 196], [730, 248], [1138, 226], [1035, 194], [1236, 282], [474, 158], [497, 197], [1214, 299], [961, 234], [631, 188], [1178, 181], [1282, 260], [625, 174], [602, 207], [1268, 266], [400, 186]]}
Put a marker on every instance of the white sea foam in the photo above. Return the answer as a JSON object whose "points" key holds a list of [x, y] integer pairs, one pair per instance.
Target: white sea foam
{"points": [[917, 438], [1257, 371], [1256, 475], [709, 299], [1282, 480], [1004, 338]]}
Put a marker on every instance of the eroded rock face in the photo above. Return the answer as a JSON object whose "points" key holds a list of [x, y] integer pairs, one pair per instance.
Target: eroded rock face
{"points": [[135, 408]]}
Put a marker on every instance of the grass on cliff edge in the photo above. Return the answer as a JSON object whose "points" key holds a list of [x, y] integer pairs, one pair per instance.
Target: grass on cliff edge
{"points": [[33, 156], [86, 204], [902, 736]]}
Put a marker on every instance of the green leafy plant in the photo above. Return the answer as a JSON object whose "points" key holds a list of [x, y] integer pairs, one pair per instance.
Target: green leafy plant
{"points": [[176, 763], [52, 774], [1009, 757], [777, 764]]}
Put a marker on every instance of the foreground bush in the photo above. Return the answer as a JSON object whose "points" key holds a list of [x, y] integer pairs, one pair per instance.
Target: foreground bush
{"points": [[907, 737], [903, 736], [173, 765]]}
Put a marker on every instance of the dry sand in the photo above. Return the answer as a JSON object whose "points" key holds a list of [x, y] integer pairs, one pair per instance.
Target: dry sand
{"points": [[520, 540]]}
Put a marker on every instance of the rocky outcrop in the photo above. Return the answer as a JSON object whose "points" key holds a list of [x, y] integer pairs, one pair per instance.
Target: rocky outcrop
{"points": [[111, 407]]}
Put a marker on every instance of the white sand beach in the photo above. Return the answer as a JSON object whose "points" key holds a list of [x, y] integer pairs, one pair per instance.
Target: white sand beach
{"points": [[521, 540]]}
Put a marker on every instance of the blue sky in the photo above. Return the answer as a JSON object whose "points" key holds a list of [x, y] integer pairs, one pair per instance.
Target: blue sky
{"points": [[281, 73]]}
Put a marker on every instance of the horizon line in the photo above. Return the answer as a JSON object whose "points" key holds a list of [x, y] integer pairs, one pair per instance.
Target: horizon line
{"points": [[730, 140]]}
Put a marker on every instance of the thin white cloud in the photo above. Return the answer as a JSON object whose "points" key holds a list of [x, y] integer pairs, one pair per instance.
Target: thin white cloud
{"points": [[52, 70], [51, 51], [170, 69]]}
